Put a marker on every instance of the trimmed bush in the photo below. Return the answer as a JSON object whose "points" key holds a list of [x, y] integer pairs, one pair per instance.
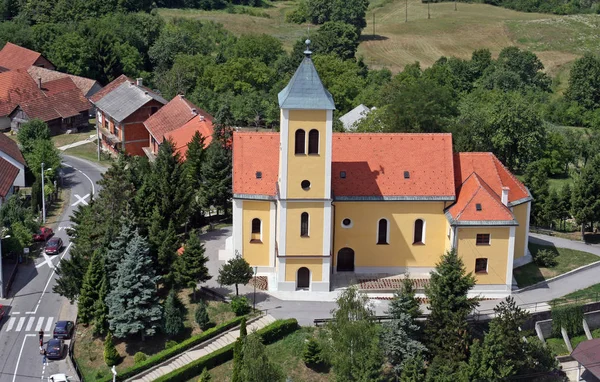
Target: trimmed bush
{"points": [[568, 316], [269, 334], [240, 305], [545, 258], [201, 316], [178, 349], [111, 355], [170, 343], [139, 357]]}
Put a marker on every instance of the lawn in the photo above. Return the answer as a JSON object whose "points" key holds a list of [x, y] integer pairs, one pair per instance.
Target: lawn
{"points": [[558, 346], [590, 293], [89, 349], [89, 151], [567, 259], [287, 353], [66, 139]]}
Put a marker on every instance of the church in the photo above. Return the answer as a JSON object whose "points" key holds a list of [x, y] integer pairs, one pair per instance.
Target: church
{"points": [[309, 204]]}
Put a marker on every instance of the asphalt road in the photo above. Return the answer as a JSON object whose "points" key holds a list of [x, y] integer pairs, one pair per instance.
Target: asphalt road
{"points": [[32, 305]]}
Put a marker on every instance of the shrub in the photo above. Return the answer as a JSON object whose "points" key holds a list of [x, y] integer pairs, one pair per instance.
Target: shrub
{"points": [[568, 316], [312, 356], [545, 258], [240, 305], [205, 376], [139, 357], [201, 316], [111, 355], [243, 328], [269, 334], [170, 343], [100, 374]]}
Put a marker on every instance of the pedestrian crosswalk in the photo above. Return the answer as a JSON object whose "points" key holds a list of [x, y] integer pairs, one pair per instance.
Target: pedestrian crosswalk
{"points": [[29, 324]]}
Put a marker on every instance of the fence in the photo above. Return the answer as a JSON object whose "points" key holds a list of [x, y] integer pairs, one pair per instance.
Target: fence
{"points": [[71, 353]]}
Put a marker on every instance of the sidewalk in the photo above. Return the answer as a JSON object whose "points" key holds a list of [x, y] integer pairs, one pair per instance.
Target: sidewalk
{"points": [[92, 138], [199, 351]]}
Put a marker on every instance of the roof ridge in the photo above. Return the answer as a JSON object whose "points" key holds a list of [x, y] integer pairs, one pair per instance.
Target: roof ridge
{"points": [[476, 191], [510, 174], [493, 194], [352, 134]]}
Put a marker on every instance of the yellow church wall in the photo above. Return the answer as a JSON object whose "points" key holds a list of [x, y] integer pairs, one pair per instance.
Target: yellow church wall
{"points": [[256, 253], [520, 213], [296, 244], [496, 252], [309, 167], [314, 265], [400, 252]]}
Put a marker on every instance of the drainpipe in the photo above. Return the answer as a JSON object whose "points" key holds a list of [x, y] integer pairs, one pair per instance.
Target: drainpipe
{"points": [[331, 265]]}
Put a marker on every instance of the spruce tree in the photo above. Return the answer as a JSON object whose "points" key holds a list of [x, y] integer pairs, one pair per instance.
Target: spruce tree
{"points": [[414, 369], [256, 366], [238, 348], [167, 254], [156, 230], [173, 315], [117, 192], [243, 328], [89, 290], [311, 355], [205, 376], [132, 302], [446, 328], [400, 336], [235, 271], [117, 248], [111, 356], [191, 265], [217, 172], [100, 320], [194, 159], [201, 316]]}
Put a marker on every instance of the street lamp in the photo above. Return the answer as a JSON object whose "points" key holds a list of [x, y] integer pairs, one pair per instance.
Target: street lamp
{"points": [[254, 302], [43, 195], [1, 272]]}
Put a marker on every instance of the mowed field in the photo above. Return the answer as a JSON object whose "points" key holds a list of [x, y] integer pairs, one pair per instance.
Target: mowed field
{"points": [[557, 40]]}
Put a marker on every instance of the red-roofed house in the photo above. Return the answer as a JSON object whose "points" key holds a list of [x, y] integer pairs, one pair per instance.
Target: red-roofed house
{"points": [[15, 86], [16, 57], [10, 152], [309, 204], [8, 176], [178, 120]]}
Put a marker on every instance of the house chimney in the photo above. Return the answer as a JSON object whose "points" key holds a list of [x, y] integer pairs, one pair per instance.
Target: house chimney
{"points": [[39, 82], [505, 195], [139, 81], [201, 117], [194, 112]]}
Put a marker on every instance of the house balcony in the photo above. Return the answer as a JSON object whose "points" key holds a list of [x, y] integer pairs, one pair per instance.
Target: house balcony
{"points": [[151, 156], [109, 137]]}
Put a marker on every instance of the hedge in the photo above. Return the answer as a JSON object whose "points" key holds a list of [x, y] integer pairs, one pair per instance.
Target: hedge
{"points": [[270, 333], [175, 350]]}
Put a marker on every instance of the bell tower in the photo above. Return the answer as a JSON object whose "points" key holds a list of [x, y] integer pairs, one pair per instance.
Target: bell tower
{"points": [[304, 181]]}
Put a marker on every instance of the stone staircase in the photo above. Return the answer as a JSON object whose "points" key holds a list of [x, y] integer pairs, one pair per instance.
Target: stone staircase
{"points": [[200, 350]]}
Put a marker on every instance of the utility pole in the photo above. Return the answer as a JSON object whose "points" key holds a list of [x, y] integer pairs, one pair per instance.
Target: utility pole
{"points": [[428, 12], [254, 300], [406, 19], [43, 197], [373, 23], [456, 9], [98, 134]]}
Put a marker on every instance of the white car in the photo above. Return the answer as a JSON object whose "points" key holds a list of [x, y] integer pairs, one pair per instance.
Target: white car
{"points": [[59, 378]]}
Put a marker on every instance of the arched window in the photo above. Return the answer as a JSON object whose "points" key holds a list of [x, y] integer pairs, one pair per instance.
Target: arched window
{"points": [[382, 231], [256, 236], [304, 224], [313, 141], [300, 142], [419, 231]]}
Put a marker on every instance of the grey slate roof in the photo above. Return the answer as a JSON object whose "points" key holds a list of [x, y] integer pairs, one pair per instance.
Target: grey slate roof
{"points": [[126, 99], [355, 115], [305, 90]]}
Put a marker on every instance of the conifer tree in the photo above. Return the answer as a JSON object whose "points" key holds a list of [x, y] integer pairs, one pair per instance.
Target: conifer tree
{"points": [[156, 231], [117, 248], [446, 329], [205, 376], [201, 316], [236, 375], [167, 254], [312, 356], [235, 271], [100, 320], [195, 156], [414, 369], [401, 335], [256, 366], [117, 191], [243, 329], [586, 194], [217, 177], [89, 290], [173, 311], [191, 265], [132, 302], [111, 356]]}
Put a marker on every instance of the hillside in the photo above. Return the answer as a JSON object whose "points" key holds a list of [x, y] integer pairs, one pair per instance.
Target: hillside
{"points": [[556, 39]]}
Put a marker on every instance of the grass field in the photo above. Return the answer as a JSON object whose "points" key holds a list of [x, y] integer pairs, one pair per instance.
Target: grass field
{"points": [[591, 293], [557, 40], [567, 259]]}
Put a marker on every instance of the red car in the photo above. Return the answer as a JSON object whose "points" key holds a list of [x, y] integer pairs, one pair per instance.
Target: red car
{"points": [[53, 246], [43, 234]]}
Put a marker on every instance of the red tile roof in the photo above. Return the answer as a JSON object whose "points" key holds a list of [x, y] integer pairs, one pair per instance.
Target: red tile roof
{"points": [[16, 86], [374, 164], [16, 57], [488, 167], [58, 86], [8, 174], [110, 87], [47, 75], [183, 135], [475, 191], [174, 115], [10, 148]]}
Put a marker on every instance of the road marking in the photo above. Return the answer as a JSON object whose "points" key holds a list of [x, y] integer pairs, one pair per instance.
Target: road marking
{"points": [[20, 324], [84, 174], [16, 313], [30, 323], [20, 354], [80, 200], [38, 326], [49, 324], [11, 323], [47, 260], [49, 279]]}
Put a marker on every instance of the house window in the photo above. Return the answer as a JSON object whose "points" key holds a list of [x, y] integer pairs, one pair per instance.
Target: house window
{"points": [[305, 184], [382, 231], [106, 124], [481, 265], [304, 224], [313, 142], [300, 142], [419, 231], [256, 231], [153, 110], [483, 239], [347, 223]]}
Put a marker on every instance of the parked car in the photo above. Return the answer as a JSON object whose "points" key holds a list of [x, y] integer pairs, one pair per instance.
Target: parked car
{"points": [[63, 329], [53, 246], [54, 349], [59, 378], [43, 234], [1, 311]]}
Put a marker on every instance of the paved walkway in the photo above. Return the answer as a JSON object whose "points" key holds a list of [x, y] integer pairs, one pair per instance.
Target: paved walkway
{"points": [[199, 351], [92, 138], [564, 243]]}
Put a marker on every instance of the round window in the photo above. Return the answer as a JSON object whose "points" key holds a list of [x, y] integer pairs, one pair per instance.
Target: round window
{"points": [[305, 185], [346, 223]]}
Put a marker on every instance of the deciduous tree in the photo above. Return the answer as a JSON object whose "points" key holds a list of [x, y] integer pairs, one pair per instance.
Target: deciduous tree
{"points": [[236, 271], [30, 132], [586, 194]]}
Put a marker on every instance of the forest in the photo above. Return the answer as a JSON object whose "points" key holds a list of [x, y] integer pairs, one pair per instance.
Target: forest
{"points": [[559, 7]]}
